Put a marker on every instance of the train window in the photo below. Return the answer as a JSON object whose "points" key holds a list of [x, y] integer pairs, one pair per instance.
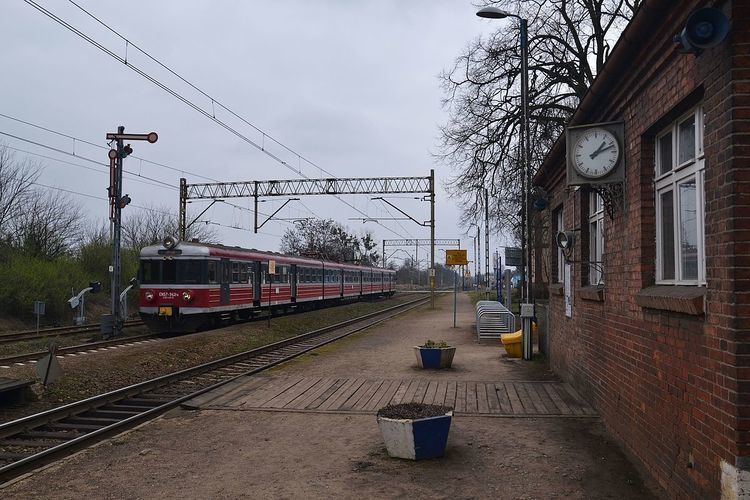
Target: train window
{"points": [[243, 273], [235, 272], [169, 271], [149, 271], [212, 277], [263, 274], [190, 271]]}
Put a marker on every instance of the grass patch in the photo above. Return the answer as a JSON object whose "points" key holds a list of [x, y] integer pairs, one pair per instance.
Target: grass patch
{"points": [[475, 296]]}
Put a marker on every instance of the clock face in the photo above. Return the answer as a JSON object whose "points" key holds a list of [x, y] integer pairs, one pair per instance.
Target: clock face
{"points": [[595, 153]]}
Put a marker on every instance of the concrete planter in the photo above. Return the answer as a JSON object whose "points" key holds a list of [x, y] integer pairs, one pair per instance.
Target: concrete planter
{"points": [[416, 439], [434, 357]]}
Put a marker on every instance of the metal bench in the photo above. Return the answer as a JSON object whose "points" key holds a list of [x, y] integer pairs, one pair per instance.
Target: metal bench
{"points": [[493, 319]]}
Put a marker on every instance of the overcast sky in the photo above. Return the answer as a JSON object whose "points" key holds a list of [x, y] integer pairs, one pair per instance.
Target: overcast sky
{"points": [[351, 85]]}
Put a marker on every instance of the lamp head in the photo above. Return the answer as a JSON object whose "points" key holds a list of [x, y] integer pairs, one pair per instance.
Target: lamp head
{"points": [[493, 13]]}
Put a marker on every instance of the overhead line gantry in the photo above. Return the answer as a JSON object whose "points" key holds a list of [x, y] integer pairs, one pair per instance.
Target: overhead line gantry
{"points": [[316, 187]]}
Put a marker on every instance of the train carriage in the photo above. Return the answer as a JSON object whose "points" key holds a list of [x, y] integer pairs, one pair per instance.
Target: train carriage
{"points": [[186, 286]]}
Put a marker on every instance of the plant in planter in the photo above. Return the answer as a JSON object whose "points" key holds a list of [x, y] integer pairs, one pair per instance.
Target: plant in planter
{"points": [[415, 430], [434, 354]]}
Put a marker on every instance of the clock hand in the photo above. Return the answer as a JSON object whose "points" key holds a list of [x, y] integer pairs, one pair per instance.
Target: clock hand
{"points": [[598, 150]]}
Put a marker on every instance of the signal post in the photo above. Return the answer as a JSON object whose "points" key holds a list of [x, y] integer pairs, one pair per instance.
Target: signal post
{"points": [[112, 323]]}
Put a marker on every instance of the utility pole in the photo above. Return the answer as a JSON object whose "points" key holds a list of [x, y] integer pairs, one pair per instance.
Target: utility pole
{"points": [[487, 242], [116, 218], [479, 255], [112, 323], [432, 238], [183, 209]]}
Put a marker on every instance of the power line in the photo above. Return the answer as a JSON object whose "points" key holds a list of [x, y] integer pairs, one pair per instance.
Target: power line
{"points": [[84, 141], [158, 183], [188, 102], [62, 151], [140, 207], [78, 139], [58, 160]]}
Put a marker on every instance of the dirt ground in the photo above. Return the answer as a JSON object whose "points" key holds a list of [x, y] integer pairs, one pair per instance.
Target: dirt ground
{"points": [[264, 454]]}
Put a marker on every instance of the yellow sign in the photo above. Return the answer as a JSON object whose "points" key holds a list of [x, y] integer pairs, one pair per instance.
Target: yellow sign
{"points": [[165, 311], [455, 258], [271, 267]]}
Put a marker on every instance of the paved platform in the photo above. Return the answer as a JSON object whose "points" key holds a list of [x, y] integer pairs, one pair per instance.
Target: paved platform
{"points": [[306, 430]]}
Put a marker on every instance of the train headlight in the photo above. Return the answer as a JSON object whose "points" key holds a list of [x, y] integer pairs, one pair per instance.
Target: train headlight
{"points": [[149, 296], [187, 296]]}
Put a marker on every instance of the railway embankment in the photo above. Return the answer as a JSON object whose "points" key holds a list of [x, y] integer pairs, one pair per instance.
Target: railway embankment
{"points": [[90, 373]]}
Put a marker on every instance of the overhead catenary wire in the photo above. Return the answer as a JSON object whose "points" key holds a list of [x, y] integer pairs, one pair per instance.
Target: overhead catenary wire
{"points": [[140, 207], [90, 143], [104, 172], [62, 151], [191, 104], [137, 176]]}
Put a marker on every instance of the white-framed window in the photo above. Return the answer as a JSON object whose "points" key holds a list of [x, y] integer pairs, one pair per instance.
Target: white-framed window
{"points": [[596, 239], [560, 255], [680, 209]]}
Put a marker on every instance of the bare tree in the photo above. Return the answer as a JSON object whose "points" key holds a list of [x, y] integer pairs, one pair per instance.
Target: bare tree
{"points": [[16, 186], [49, 226], [148, 226], [322, 238], [569, 42]]}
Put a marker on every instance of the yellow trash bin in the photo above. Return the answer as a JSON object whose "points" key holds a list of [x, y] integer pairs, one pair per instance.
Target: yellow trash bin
{"points": [[512, 343]]}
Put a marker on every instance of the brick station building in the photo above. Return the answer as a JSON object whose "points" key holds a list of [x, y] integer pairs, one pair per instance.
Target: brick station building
{"points": [[658, 333]]}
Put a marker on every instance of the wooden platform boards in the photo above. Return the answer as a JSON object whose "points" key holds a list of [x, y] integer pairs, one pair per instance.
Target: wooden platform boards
{"points": [[359, 395]]}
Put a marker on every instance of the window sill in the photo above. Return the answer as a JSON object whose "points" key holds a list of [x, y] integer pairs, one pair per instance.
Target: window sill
{"points": [[593, 293], [556, 289], [677, 298]]}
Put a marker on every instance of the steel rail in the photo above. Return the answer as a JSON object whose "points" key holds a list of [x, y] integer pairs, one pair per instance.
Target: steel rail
{"points": [[56, 415], [6, 338], [74, 349]]}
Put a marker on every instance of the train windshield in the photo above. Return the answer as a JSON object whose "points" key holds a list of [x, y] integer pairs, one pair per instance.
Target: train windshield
{"points": [[173, 271], [149, 271]]}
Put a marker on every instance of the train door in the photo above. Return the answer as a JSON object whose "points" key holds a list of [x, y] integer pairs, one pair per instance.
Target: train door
{"points": [[256, 282], [226, 278], [342, 277], [360, 274], [293, 281]]}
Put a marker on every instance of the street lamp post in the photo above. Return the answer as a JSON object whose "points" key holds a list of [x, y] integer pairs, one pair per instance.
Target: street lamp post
{"points": [[526, 312]]}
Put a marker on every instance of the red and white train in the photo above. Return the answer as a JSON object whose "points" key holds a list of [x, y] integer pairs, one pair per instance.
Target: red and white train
{"points": [[186, 286]]}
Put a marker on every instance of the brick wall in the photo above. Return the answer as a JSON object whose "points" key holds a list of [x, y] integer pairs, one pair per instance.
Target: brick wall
{"points": [[674, 388]]}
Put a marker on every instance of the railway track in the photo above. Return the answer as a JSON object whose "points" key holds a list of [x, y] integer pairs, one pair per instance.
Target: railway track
{"points": [[75, 349], [7, 338], [38, 439]]}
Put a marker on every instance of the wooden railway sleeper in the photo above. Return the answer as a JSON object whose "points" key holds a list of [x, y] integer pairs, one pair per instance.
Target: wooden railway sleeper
{"points": [[27, 443], [77, 427], [91, 420], [63, 436]]}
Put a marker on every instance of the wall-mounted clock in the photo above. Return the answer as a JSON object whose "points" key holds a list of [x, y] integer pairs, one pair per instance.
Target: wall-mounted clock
{"points": [[595, 153]]}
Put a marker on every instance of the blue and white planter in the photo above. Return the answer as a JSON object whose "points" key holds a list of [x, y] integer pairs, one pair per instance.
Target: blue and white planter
{"points": [[416, 439], [434, 357]]}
